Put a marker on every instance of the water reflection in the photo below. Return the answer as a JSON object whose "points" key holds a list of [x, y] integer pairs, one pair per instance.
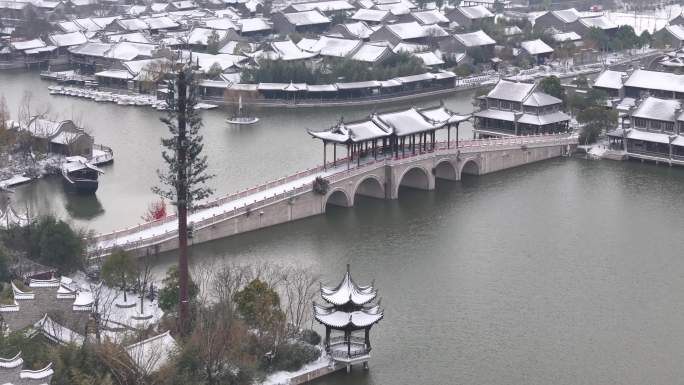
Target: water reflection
{"points": [[83, 206]]}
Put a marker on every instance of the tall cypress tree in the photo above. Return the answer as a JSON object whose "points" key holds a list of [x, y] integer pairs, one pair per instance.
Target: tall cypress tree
{"points": [[185, 180]]}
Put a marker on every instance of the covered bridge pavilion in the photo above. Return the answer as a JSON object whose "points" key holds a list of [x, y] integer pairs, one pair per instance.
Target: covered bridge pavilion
{"points": [[391, 133]]}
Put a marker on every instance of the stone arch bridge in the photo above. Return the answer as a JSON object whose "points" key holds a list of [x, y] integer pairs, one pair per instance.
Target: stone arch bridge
{"points": [[294, 197]]}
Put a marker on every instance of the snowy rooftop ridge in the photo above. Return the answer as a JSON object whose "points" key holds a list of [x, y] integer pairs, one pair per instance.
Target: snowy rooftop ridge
{"points": [[347, 291]]}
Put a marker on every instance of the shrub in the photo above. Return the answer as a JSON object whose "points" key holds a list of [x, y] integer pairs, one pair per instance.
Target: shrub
{"points": [[311, 337], [291, 357], [54, 243], [168, 294], [320, 185]]}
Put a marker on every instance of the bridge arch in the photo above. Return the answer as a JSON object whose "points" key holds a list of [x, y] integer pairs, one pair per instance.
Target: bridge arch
{"points": [[338, 197], [417, 177], [445, 169], [471, 167], [369, 186]]}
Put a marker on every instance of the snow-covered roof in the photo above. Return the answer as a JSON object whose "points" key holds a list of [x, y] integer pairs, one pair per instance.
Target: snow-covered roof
{"points": [[312, 17], [511, 91], [342, 319], [133, 37], [27, 44], [336, 47], [656, 80], [371, 53], [344, 133], [544, 119], [223, 23], [601, 22], [536, 47], [657, 109], [48, 48], [655, 137], [104, 21], [406, 122], [409, 47], [153, 353], [160, 22], [38, 376], [132, 24], [88, 25], [429, 58], [12, 363], [475, 12], [69, 26], [68, 39], [371, 15], [126, 51], [347, 291], [205, 60], [610, 79], [322, 88], [56, 332], [358, 29], [91, 49], [254, 24], [287, 50], [200, 35], [474, 39], [676, 30], [184, 4], [443, 115], [415, 78], [115, 74], [357, 85], [432, 16], [567, 15], [323, 6], [413, 30], [566, 36], [540, 99]]}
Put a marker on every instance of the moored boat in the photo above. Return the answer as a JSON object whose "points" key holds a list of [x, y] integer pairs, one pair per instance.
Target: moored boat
{"points": [[80, 175]]}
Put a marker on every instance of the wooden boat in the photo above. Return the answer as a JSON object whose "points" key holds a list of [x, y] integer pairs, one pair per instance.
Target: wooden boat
{"points": [[80, 175], [239, 117]]}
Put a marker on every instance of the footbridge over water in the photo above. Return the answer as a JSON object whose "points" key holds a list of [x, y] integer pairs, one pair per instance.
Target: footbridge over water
{"points": [[294, 197]]}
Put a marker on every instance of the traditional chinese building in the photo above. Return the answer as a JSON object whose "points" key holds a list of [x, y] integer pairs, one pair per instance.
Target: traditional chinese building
{"points": [[350, 314], [390, 134], [513, 108]]}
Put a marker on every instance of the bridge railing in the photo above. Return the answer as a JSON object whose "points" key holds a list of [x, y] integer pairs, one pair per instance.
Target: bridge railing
{"points": [[354, 168]]}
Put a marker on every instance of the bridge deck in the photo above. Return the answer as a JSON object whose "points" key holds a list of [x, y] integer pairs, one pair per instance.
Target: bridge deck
{"points": [[229, 206]]}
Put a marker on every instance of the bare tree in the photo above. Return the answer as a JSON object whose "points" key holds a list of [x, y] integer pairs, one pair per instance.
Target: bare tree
{"points": [[299, 289], [144, 273]]}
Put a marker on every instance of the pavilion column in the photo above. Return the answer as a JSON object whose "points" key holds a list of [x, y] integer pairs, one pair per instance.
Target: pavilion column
{"points": [[327, 338], [367, 339], [348, 157], [449, 136], [334, 154], [456, 135], [324, 155], [375, 149], [347, 335], [413, 143]]}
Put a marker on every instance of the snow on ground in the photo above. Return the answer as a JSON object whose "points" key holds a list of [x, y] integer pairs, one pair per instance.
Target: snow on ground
{"points": [[115, 316], [283, 377]]}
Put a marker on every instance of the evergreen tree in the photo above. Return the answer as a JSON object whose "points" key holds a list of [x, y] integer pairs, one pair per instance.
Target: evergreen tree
{"points": [[186, 178]]}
